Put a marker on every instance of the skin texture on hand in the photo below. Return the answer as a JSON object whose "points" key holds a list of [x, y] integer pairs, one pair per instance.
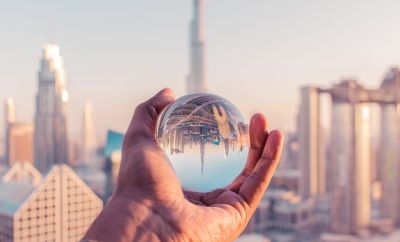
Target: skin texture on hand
{"points": [[149, 203]]}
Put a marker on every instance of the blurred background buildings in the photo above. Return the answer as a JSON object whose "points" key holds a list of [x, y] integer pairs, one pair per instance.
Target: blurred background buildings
{"points": [[347, 181]]}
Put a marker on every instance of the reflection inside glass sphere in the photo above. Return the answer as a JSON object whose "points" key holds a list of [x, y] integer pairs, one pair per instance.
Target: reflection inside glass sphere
{"points": [[206, 139]]}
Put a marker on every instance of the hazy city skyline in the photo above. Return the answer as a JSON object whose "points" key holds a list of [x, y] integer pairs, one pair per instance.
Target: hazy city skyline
{"points": [[134, 49], [322, 70]]}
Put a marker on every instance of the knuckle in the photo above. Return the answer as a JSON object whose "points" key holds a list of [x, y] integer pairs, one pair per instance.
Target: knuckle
{"points": [[246, 172], [146, 109], [140, 108]]}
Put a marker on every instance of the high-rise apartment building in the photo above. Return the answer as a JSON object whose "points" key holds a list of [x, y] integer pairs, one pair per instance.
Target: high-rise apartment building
{"points": [[9, 119], [311, 146], [9, 111], [18, 137], [389, 154], [51, 143], [351, 198], [88, 134], [196, 79], [349, 160], [350, 168], [349, 165], [59, 207], [20, 143]]}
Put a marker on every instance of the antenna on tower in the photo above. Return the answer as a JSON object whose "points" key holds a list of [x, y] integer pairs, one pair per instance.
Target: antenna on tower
{"points": [[50, 36], [196, 79]]}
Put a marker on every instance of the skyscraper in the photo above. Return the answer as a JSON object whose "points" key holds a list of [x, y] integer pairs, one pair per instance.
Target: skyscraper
{"points": [[18, 137], [389, 159], [20, 143], [350, 200], [311, 152], [350, 171], [88, 134], [9, 119], [196, 79], [50, 118], [10, 115]]}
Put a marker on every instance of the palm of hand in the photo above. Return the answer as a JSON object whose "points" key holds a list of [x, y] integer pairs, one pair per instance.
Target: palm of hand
{"points": [[214, 216], [167, 213]]}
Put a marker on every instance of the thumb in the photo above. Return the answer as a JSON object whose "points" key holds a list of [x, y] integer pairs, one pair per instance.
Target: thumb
{"points": [[142, 126]]}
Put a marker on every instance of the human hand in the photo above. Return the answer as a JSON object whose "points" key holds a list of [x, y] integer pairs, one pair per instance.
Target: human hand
{"points": [[149, 203]]}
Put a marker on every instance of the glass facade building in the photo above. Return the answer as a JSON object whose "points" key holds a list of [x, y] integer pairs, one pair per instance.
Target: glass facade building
{"points": [[50, 118]]}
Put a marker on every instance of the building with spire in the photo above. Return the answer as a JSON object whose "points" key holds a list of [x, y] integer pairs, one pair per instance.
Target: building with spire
{"points": [[196, 79], [51, 140]]}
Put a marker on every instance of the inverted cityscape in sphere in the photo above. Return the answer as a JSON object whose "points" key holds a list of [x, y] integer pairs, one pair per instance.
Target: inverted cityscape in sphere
{"points": [[206, 140]]}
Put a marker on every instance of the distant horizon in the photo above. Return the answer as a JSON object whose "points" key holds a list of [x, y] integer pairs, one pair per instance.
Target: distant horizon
{"points": [[258, 55]]}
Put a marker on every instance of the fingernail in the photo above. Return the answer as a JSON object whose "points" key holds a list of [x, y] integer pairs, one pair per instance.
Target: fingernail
{"points": [[168, 98]]}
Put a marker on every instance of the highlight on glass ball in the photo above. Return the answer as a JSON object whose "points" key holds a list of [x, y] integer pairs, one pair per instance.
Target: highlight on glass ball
{"points": [[206, 139]]}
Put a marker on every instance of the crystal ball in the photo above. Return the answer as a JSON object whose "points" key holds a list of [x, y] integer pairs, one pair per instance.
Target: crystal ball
{"points": [[206, 140]]}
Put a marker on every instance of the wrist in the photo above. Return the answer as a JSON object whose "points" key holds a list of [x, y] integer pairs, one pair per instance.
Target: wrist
{"points": [[118, 221], [127, 219]]}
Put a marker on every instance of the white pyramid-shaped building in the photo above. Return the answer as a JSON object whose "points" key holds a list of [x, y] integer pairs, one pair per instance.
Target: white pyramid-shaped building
{"points": [[58, 207]]}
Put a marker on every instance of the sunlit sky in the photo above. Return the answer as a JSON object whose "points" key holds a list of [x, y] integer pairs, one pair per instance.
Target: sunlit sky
{"points": [[259, 52]]}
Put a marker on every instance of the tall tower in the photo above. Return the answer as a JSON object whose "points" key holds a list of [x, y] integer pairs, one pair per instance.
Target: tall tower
{"points": [[9, 118], [312, 147], [50, 118], [350, 141], [10, 115], [390, 141], [88, 134], [196, 79]]}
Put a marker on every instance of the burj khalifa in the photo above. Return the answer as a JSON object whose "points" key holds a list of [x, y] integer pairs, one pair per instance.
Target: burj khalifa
{"points": [[196, 80]]}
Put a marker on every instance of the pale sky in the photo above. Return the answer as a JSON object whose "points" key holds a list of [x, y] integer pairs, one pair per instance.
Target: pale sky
{"points": [[259, 52]]}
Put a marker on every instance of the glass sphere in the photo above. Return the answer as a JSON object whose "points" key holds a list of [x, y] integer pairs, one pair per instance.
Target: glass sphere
{"points": [[206, 140]]}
